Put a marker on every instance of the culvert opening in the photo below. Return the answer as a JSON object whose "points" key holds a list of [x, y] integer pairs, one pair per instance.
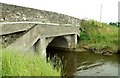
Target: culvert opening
{"points": [[58, 43]]}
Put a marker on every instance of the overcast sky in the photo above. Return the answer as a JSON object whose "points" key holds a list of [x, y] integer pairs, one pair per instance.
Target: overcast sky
{"points": [[78, 8]]}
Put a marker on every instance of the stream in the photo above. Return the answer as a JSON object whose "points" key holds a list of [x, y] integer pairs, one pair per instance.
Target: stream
{"points": [[83, 63]]}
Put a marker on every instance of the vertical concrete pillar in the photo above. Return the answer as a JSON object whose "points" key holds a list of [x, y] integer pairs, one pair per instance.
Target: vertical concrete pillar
{"points": [[41, 47], [74, 41]]}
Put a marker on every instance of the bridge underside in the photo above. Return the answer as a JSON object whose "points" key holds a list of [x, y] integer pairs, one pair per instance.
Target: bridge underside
{"points": [[38, 37]]}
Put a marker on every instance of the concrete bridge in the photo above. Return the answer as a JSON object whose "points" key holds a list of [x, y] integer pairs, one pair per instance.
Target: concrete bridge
{"points": [[37, 36]]}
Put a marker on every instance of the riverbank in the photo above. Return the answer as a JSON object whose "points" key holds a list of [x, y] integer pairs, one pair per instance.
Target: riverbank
{"points": [[25, 64], [98, 37]]}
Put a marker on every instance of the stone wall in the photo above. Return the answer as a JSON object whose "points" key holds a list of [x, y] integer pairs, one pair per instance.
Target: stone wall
{"points": [[13, 13]]}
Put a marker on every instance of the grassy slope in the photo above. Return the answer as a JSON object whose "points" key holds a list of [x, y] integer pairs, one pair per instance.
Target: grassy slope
{"points": [[18, 64], [98, 35]]}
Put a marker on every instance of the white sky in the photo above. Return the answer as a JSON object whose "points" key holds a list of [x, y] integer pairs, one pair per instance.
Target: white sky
{"points": [[77, 8]]}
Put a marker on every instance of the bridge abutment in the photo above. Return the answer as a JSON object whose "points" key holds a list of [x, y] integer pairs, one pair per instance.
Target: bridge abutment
{"points": [[41, 47], [72, 40]]}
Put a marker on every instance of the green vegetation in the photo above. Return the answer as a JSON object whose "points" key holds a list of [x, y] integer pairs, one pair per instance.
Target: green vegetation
{"points": [[98, 35], [115, 24], [25, 64], [0, 62]]}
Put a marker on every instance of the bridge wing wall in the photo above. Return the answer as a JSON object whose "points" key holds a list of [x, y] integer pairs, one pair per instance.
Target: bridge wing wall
{"points": [[13, 28]]}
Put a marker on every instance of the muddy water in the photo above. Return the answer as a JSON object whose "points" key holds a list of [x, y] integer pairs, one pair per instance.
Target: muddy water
{"points": [[84, 63]]}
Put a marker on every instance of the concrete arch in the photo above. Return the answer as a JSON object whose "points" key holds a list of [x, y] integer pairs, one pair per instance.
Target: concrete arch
{"points": [[65, 42], [57, 43]]}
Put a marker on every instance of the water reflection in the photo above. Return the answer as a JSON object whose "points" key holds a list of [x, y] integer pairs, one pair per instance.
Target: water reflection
{"points": [[65, 60], [83, 63]]}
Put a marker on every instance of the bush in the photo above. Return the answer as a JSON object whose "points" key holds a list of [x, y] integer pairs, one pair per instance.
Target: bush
{"points": [[96, 34]]}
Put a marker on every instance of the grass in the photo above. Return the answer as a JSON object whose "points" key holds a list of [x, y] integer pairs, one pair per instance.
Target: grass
{"points": [[99, 35], [25, 64], [0, 63]]}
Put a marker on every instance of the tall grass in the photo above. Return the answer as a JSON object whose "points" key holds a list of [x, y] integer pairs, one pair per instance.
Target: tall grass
{"points": [[99, 35], [0, 68], [25, 64]]}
